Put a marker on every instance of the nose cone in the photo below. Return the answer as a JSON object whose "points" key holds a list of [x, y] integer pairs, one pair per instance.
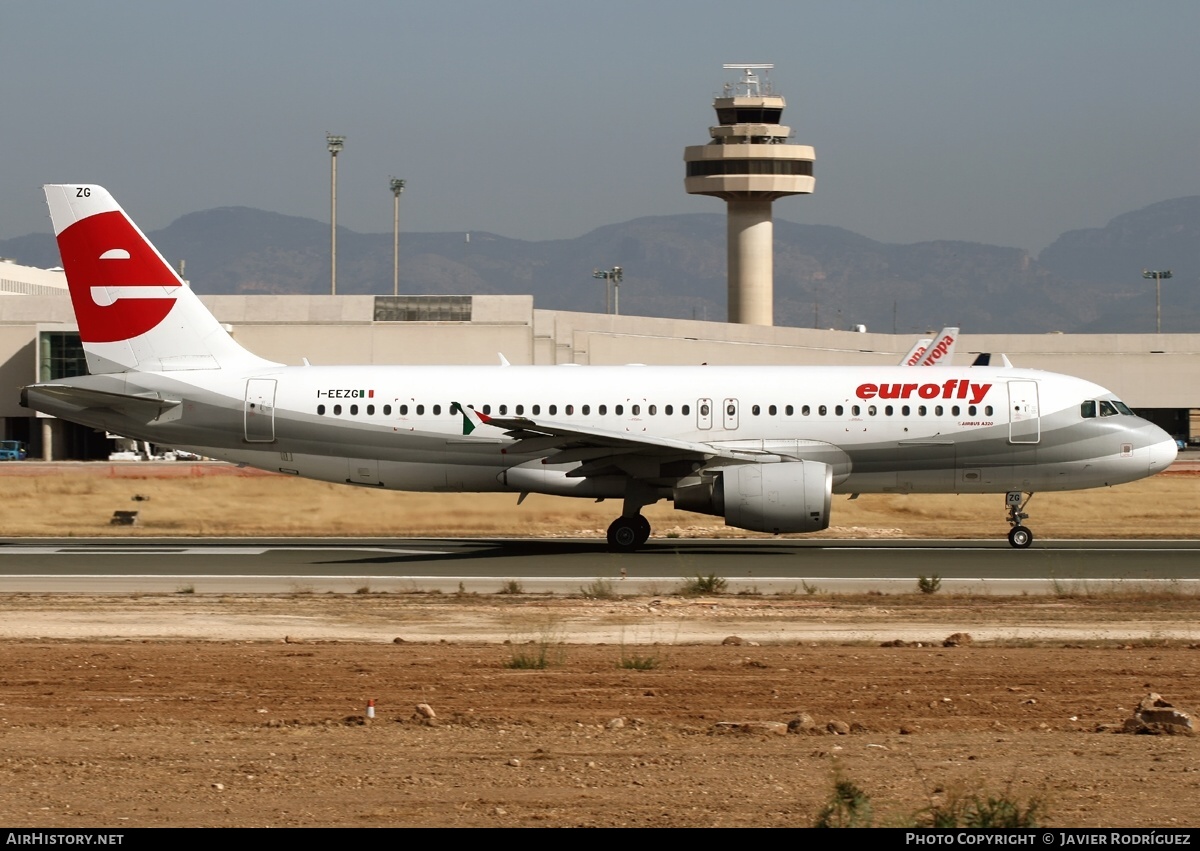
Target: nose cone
{"points": [[1162, 453]]}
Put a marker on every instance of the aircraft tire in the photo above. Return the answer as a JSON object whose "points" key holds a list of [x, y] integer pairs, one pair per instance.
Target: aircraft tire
{"points": [[624, 535], [643, 530], [1020, 537]]}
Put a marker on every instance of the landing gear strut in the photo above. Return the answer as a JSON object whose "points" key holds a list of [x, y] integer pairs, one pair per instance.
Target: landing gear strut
{"points": [[1019, 536], [626, 534]]}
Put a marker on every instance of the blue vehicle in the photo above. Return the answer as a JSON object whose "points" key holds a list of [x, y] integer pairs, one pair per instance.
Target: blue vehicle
{"points": [[12, 450]]}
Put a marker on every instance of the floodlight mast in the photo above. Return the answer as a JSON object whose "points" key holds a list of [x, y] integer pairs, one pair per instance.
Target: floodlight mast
{"points": [[612, 278], [397, 186], [335, 145], [1158, 279]]}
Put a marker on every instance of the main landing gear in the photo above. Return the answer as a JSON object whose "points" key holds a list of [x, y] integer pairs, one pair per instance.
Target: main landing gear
{"points": [[626, 534], [1019, 536]]}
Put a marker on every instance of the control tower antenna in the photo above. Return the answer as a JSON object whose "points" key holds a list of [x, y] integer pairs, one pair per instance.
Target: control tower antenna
{"points": [[749, 163]]}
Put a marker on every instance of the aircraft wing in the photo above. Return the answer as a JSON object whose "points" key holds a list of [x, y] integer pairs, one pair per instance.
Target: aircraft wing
{"points": [[608, 452], [142, 406]]}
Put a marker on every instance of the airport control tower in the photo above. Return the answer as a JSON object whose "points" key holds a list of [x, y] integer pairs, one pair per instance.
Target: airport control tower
{"points": [[749, 164]]}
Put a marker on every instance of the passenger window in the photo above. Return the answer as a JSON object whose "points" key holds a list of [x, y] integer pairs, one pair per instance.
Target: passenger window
{"points": [[420, 410], [987, 409], [354, 410], [730, 410], [938, 410], [387, 410], [635, 410], [337, 410], [789, 410], [587, 409], [685, 410], [872, 410], [437, 409], [838, 410], [404, 410], [821, 411], [955, 410], [754, 410], [503, 409], [652, 409], [668, 410], [620, 409], [603, 409], [922, 410], [805, 411], [569, 409], [971, 411], [772, 410], [320, 410], [905, 411], [520, 410], [370, 410], [855, 410], [704, 410], [537, 409], [553, 410]]}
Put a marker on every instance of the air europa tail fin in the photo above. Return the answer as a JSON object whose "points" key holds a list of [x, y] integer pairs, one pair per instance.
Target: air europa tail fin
{"points": [[134, 312]]}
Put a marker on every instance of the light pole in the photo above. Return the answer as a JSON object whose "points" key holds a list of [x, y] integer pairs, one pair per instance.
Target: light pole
{"points": [[397, 188], [335, 145], [611, 277], [1158, 279]]}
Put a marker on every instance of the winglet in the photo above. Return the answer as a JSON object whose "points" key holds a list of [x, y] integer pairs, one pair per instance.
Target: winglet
{"points": [[469, 417]]}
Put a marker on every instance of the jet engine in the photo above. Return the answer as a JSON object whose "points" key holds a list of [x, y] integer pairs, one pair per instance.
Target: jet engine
{"points": [[791, 496]]}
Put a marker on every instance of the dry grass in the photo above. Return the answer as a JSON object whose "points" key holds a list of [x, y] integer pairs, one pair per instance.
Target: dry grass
{"points": [[70, 501]]}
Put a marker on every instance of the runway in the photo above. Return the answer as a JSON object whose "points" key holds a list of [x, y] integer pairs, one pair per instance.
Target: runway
{"points": [[564, 565]]}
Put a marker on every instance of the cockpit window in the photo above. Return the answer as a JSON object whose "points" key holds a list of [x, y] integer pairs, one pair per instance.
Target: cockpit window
{"points": [[1088, 409], [1123, 408], [1107, 409]]}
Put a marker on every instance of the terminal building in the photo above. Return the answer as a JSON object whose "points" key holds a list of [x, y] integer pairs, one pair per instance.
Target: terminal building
{"points": [[39, 340]]}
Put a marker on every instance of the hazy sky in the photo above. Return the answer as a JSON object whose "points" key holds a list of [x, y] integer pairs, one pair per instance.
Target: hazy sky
{"points": [[1001, 122]]}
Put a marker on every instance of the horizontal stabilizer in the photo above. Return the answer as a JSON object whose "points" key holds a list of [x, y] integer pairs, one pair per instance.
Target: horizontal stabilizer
{"points": [[143, 407]]}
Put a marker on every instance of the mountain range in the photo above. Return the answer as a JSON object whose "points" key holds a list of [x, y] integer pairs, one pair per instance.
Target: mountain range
{"points": [[1087, 281]]}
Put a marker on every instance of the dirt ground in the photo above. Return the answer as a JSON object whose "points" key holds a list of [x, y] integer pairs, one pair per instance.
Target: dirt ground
{"points": [[187, 710], [650, 730]]}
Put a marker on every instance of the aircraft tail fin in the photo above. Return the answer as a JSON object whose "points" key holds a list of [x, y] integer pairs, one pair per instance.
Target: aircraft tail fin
{"points": [[914, 355], [134, 312], [941, 350]]}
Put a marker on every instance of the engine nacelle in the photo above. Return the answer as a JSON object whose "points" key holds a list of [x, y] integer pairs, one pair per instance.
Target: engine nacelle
{"points": [[792, 496]]}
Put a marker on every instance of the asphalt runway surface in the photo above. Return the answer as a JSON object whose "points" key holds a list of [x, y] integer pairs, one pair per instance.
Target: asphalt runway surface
{"points": [[563, 565]]}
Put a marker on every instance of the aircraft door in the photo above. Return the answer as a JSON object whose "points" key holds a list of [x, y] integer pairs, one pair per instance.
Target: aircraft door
{"points": [[730, 409], [1024, 419], [259, 411], [704, 413]]}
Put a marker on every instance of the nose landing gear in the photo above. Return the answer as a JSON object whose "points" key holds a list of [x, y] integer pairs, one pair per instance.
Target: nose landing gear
{"points": [[1019, 536]]}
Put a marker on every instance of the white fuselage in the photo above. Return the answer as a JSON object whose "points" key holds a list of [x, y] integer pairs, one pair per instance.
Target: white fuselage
{"points": [[881, 429]]}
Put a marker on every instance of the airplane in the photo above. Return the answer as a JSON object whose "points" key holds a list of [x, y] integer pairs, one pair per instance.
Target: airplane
{"points": [[913, 356], [764, 447], [927, 353]]}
